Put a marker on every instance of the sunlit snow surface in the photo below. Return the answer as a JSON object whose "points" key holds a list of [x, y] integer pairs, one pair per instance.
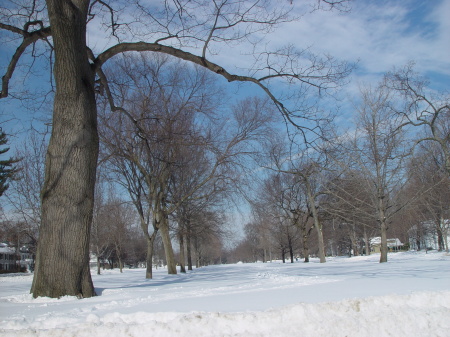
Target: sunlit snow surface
{"points": [[408, 296]]}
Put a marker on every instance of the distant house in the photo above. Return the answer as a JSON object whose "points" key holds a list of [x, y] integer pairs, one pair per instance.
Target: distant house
{"points": [[8, 258], [26, 258], [393, 244]]}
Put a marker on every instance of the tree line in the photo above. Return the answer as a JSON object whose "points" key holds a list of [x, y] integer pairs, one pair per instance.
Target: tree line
{"points": [[168, 173], [386, 178]]}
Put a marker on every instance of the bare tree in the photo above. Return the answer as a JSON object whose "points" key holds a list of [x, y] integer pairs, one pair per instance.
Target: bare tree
{"points": [[208, 236], [278, 204], [189, 213], [308, 166], [422, 108], [378, 151], [351, 207], [170, 28], [119, 218], [25, 196], [430, 206], [101, 229], [129, 175], [180, 148]]}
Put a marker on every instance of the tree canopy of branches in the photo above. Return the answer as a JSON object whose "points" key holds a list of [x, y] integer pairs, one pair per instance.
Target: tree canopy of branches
{"points": [[180, 149], [429, 210], [189, 30], [423, 108]]}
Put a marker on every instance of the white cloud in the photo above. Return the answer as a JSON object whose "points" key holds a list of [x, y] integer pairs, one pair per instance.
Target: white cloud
{"points": [[378, 34]]}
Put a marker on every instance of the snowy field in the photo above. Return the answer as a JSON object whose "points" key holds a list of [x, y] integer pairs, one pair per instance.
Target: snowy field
{"points": [[408, 296]]}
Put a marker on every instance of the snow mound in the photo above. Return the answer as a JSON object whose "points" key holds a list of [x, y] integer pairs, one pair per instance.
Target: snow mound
{"points": [[418, 314]]}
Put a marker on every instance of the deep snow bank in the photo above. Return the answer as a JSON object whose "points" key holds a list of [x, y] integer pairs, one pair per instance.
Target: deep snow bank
{"points": [[418, 314]]}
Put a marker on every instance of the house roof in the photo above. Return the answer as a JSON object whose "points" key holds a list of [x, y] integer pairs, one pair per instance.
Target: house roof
{"points": [[390, 242], [7, 250]]}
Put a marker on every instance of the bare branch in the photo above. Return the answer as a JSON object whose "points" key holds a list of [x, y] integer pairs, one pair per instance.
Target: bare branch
{"points": [[29, 38]]}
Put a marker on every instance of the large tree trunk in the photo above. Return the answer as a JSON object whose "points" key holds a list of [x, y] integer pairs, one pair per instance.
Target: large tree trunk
{"points": [[62, 266], [167, 243]]}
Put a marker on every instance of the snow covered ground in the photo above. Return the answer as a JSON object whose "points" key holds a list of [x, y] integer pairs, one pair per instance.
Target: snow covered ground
{"points": [[408, 296]]}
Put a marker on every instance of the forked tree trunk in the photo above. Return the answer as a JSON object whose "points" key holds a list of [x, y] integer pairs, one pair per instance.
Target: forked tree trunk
{"points": [[62, 265], [167, 243], [149, 257], [305, 243]]}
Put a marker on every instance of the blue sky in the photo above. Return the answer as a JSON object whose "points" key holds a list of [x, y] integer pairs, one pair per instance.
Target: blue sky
{"points": [[377, 34]]}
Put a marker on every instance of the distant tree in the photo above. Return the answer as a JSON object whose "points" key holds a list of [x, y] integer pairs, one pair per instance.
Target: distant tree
{"points": [[26, 189], [422, 108], [350, 207], [308, 167], [209, 237], [278, 204], [252, 241], [430, 207], [8, 170], [378, 151]]}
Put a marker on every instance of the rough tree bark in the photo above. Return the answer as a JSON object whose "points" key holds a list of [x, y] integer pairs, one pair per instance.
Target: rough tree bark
{"points": [[62, 264]]}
